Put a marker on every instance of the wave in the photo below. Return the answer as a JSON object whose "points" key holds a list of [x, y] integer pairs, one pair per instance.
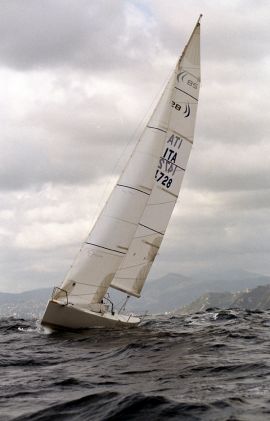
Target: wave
{"points": [[113, 406], [211, 365]]}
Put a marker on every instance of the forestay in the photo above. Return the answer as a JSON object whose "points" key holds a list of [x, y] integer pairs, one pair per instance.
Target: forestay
{"points": [[122, 245]]}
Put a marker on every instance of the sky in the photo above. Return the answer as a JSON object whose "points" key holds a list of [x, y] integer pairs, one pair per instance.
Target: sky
{"points": [[78, 79]]}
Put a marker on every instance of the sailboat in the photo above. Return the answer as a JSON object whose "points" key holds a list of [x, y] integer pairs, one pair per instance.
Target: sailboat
{"points": [[127, 235]]}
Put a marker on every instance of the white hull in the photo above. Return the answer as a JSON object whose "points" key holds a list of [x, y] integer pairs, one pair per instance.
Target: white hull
{"points": [[71, 317]]}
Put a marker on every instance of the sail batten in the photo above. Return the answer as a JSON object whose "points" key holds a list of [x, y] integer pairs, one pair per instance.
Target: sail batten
{"points": [[157, 128], [106, 248], [151, 229], [134, 188], [181, 90]]}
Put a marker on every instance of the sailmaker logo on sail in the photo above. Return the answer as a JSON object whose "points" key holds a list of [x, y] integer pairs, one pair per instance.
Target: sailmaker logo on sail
{"points": [[179, 107], [186, 77]]}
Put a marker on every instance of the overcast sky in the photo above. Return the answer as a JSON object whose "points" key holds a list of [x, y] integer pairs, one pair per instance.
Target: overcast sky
{"points": [[78, 77]]}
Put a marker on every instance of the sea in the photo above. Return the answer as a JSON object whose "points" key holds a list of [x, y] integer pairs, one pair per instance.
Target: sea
{"points": [[213, 365]]}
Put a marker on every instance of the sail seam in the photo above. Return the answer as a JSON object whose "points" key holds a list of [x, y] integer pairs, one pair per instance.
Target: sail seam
{"points": [[133, 188], [145, 226], [157, 128], [162, 203], [105, 248], [121, 220], [196, 99]]}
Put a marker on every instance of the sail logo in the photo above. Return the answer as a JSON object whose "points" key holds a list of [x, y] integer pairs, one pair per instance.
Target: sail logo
{"points": [[187, 111], [185, 77], [178, 107]]}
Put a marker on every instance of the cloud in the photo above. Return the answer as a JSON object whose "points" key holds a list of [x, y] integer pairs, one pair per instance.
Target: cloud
{"points": [[41, 231], [39, 33], [73, 33], [235, 30], [76, 78], [213, 232], [55, 134]]}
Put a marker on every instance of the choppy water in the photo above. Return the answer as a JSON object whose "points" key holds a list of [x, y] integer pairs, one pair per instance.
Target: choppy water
{"points": [[209, 366]]}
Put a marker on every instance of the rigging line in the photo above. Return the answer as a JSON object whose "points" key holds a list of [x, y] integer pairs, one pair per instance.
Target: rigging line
{"points": [[186, 94], [137, 133], [121, 302], [143, 121], [151, 229], [133, 188], [105, 248]]}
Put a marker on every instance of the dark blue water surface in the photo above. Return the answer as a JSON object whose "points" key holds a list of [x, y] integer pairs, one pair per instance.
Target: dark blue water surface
{"points": [[210, 366]]}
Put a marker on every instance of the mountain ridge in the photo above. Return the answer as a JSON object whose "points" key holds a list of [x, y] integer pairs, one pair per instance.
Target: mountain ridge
{"points": [[165, 294], [257, 298]]}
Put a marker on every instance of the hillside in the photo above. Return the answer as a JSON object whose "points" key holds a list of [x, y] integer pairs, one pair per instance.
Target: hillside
{"points": [[255, 299], [167, 293]]}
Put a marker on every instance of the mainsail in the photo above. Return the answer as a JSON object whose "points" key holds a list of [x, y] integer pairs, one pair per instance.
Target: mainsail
{"points": [[122, 245]]}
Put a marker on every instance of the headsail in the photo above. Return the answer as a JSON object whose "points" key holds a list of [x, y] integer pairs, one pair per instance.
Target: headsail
{"points": [[122, 245]]}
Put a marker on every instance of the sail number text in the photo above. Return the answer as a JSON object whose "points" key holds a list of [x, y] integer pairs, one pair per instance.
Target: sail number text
{"points": [[176, 106], [164, 179], [167, 166], [167, 163]]}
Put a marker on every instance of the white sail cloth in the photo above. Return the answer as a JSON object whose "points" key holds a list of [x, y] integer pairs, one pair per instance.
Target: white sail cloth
{"points": [[122, 245], [178, 125]]}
